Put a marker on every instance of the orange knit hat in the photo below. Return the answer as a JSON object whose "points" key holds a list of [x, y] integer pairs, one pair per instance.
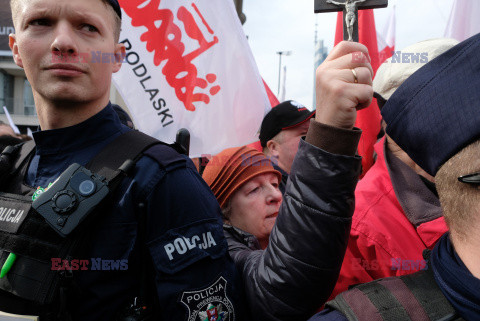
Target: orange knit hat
{"points": [[233, 167]]}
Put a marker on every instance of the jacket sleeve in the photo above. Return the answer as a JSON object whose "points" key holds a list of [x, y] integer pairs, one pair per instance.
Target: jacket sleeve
{"points": [[194, 275], [295, 275]]}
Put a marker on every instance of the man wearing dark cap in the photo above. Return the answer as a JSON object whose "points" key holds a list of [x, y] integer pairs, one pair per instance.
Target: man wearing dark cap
{"points": [[144, 238], [281, 131], [397, 211], [443, 138]]}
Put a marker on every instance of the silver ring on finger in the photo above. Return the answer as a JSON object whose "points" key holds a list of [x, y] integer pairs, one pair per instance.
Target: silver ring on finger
{"points": [[355, 77]]}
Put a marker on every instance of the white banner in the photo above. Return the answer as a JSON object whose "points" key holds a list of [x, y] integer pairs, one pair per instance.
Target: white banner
{"points": [[463, 22], [386, 38], [10, 121], [189, 65]]}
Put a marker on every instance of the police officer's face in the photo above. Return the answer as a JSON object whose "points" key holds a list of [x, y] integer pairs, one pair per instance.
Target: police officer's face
{"points": [[54, 42], [255, 206]]}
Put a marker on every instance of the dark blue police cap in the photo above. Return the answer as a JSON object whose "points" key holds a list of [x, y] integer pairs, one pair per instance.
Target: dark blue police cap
{"points": [[435, 113], [116, 6]]}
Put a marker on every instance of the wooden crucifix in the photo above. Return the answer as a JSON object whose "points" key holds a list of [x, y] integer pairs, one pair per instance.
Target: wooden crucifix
{"points": [[350, 13]]}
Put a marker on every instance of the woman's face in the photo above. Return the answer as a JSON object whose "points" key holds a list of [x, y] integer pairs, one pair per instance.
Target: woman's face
{"points": [[255, 205]]}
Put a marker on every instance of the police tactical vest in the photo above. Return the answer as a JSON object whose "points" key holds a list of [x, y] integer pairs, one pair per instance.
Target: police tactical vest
{"points": [[31, 287], [414, 297]]}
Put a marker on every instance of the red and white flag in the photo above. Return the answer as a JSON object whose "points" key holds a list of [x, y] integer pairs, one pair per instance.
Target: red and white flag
{"points": [[463, 22], [189, 65], [386, 39]]}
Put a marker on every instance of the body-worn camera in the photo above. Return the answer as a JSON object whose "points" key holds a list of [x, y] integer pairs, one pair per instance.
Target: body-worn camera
{"points": [[71, 198]]}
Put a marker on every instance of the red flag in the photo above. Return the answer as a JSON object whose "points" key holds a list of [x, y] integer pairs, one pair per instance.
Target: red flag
{"points": [[368, 119], [273, 102], [271, 96]]}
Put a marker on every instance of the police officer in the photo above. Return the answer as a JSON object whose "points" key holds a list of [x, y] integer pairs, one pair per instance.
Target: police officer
{"points": [[192, 274]]}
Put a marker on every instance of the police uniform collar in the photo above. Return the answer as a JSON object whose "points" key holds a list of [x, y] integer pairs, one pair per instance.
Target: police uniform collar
{"points": [[97, 128]]}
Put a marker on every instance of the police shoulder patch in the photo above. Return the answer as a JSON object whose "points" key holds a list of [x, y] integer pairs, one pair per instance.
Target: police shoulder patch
{"points": [[12, 213], [209, 304], [183, 246]]}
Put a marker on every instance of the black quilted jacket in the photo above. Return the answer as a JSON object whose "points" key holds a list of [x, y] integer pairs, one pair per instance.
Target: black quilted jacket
{"points": [[297, 272]]}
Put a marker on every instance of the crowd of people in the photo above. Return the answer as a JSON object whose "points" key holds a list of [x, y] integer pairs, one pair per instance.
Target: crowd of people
{"points": [[101, 222]]}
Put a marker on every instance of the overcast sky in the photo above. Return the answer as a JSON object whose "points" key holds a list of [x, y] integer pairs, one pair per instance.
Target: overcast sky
{"points": [[282, 25]]}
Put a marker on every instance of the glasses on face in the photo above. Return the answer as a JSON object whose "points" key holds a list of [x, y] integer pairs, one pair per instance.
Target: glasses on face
{"points": [[472, 179]]}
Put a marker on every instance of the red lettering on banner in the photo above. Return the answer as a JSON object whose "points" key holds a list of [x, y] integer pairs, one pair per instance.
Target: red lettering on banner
{"points": [[166, 43]]}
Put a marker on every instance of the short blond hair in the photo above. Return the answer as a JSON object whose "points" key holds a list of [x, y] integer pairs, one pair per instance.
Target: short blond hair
{"points": [[15, 4], [460, 201]]}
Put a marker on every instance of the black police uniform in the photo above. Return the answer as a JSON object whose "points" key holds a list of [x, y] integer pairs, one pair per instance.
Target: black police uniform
{"points": [[194, 275]]}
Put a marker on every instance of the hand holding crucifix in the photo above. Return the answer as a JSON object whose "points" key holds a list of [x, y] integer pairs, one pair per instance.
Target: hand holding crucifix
{"points": [[344, 79], [343, 85], [350, 11]]}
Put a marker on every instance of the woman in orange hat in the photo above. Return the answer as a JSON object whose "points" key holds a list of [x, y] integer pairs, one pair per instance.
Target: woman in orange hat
{"points": [[246, 186]]}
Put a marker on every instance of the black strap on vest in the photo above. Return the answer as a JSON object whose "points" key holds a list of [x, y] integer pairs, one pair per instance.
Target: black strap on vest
{"points": [[114, 162], [111, 161], [26, 149], [414, 297], [12, 157], [127, 146], [118, 158]]}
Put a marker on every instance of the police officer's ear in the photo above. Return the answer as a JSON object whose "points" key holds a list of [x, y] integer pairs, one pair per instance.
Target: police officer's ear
{"points": [[120, 54], [12, 43]]}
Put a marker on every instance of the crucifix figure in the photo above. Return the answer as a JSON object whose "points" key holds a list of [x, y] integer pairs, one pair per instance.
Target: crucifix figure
{"points": [[350, 16], [350, 12]]}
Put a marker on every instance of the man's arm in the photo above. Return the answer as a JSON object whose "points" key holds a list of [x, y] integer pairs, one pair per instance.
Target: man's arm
{"points": [[193, 271], [335, 2], [297, 272]]}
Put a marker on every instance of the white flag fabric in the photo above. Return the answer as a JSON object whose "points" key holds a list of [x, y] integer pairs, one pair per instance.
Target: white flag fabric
{"points": [[188, 65], [386, 39], [463, 22], [10, 121]]}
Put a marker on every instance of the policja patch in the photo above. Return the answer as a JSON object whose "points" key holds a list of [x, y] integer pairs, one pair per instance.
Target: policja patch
{"points": [[12, 213], [210, 304]]}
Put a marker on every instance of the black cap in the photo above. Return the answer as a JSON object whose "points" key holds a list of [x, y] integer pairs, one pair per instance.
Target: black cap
{"points": [[116, 6], [435, 113], [286, 115]]}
